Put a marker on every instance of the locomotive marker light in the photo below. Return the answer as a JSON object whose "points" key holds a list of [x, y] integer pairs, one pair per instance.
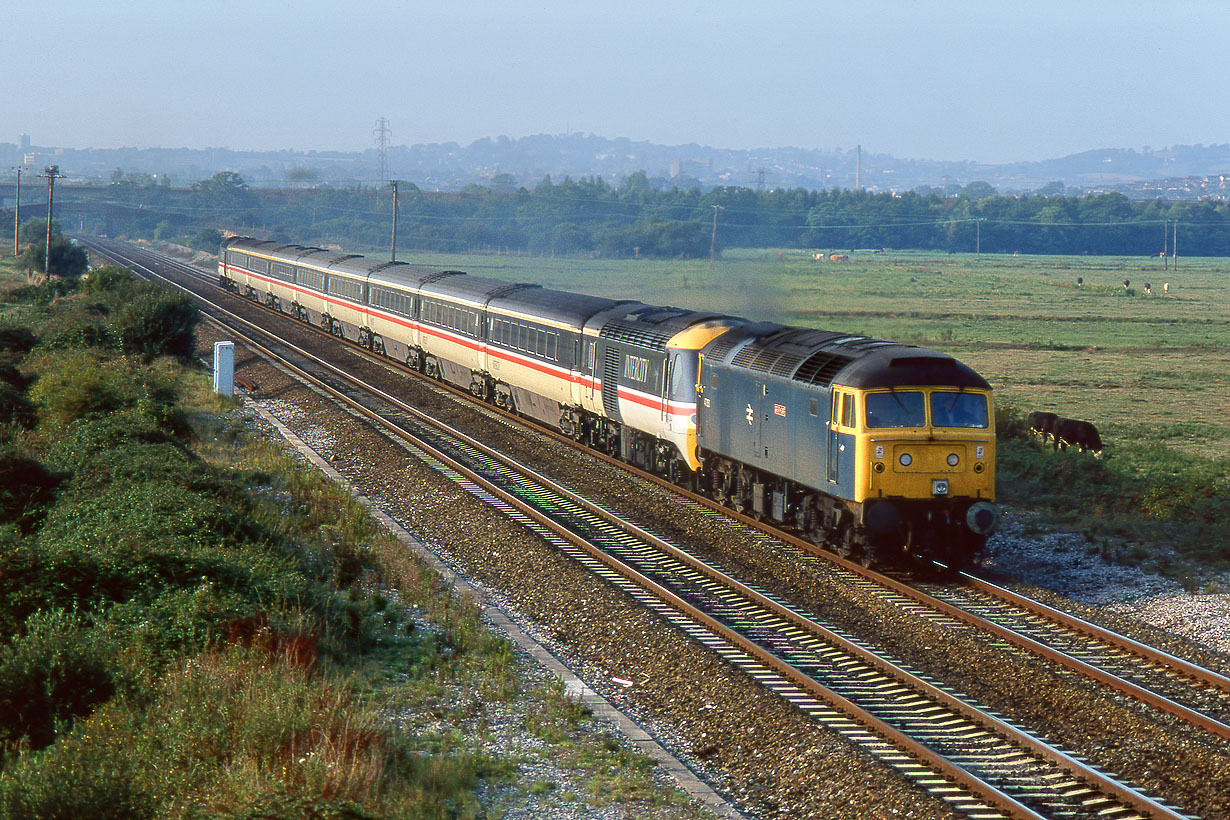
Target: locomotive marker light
{"points": [[953, 459], [906, 459], [939, 486]]}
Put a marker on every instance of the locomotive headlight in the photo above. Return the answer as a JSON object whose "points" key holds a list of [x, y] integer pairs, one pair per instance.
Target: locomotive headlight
{"points": [[906, 459], [953, 459], [878, 466]]}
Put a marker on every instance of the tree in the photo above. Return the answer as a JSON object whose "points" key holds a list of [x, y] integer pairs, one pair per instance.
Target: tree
{"points": [[67, 260], [978, 190], [302, 175], [34, 232], [206, 239], [225, 191]]}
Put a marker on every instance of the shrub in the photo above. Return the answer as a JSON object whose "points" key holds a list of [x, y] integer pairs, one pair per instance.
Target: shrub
{"points": [[27, 489], [67, 259], [88, 439], [17, 339], [78, 331], [41, 294], [58, 670], [87, 775], [76, 385], [154, 322], [1010, 422], [106, 279]]}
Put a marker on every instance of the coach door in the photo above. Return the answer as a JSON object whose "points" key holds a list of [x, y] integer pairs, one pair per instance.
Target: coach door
{"points": [[589, 359]]}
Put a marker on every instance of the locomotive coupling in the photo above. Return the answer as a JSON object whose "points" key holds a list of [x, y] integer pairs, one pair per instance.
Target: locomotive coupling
{"points": [[982, 517]]}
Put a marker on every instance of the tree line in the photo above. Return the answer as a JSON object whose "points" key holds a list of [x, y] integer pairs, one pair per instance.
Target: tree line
{"points": [[588, 216]]}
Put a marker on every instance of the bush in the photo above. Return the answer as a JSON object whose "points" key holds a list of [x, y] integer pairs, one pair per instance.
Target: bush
{"points": [[155, 322], [1010, 423], [42, 294], [77, 385], [67, 260], [106, 279], [58, 670], [78, 330], [86, 441], [17, 339], [27, 489], [88, 775]]}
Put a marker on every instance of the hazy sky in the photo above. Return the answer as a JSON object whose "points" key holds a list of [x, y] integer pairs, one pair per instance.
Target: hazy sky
{"points": [[983, 80]]}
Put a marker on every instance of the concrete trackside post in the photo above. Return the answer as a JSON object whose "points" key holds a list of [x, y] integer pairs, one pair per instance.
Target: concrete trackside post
{"points": [[224, 368]]}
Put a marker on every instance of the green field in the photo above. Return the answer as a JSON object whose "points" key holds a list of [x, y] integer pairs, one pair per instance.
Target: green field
{"points": [[1154, 367]]}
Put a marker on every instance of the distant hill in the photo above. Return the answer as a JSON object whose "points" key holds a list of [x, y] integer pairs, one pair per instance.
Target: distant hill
{"points": [[1177, 171]]}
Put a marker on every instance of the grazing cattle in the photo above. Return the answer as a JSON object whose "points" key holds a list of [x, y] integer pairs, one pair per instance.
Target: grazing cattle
{"points": [[1166, 289], [1040, 424], [819, 257], [1079, 434], [1148, 289], [839, 257]]}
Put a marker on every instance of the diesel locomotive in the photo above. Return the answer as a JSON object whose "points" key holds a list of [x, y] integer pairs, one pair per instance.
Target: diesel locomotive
{"points": [[883, 452]]}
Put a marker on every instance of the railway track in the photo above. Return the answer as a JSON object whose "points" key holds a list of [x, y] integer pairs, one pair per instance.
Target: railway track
{"points": [[910, 723]]}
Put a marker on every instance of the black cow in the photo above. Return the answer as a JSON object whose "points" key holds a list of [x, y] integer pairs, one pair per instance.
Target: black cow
{"points": [[1080, 434], [1040, 424]]}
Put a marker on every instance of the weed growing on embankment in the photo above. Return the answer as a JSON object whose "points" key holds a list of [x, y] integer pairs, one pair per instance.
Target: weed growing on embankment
{"points": [[194, 625]]}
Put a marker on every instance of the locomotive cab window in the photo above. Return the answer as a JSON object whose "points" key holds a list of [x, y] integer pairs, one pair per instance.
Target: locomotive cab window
{"points": [[843, 409], [813, 406], [959, 410], [898, 408]]}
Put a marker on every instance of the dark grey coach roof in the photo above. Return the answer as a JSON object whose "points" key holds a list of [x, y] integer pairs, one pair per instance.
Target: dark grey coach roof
{"points": [[361, 266], [408, 277], [472, 289], [560, 306]]}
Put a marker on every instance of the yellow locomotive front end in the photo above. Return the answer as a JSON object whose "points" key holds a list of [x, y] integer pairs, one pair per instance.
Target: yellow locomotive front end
{"points": [[924, 462]]}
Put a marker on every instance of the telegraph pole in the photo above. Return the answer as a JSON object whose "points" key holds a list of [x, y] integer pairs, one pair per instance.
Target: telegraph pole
{"points": [[1175, 244], [713, 236], [1166, 244], [52, 173], [17, 211], [393, 251]]}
